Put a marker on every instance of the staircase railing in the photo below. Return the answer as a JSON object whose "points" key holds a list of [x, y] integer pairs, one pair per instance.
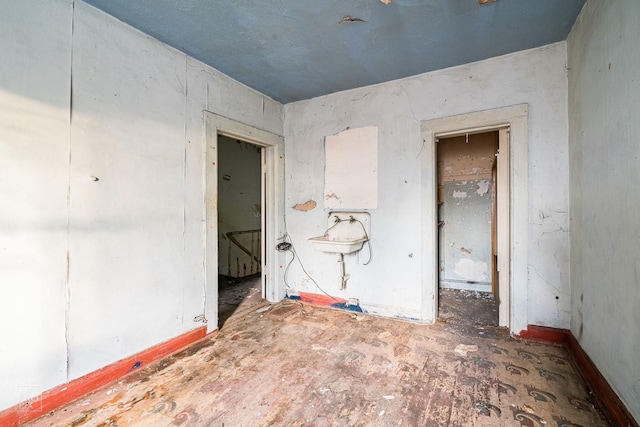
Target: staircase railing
{"points": [[253, 251]]}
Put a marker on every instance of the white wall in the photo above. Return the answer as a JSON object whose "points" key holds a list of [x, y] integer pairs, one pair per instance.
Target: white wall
{"points": [[391, 284], [34, 178], [93, 270], [604, 99]]}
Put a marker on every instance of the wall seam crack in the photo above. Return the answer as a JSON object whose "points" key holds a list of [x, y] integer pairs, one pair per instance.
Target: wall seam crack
{"points": [[67, 290], [184, 185]]}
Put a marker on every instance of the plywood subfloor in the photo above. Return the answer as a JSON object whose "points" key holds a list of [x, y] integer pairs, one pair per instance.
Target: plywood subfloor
{"points": [[325, 367]]}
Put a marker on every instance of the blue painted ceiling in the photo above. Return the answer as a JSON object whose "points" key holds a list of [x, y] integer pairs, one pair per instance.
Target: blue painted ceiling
{"points": [[299, 49]]}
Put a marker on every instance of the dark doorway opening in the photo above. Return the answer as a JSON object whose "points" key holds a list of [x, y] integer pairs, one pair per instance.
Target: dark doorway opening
{"points": [[240, 225]]}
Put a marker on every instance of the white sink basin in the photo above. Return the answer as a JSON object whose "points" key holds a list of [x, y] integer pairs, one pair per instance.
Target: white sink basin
{"points": [[329, 244]]}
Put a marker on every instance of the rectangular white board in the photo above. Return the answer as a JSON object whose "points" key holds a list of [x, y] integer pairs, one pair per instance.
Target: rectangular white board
{"points": [[351, 169]]}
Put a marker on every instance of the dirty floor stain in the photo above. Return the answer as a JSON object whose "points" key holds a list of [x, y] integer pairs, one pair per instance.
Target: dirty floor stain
{"points": [[326, 367]]}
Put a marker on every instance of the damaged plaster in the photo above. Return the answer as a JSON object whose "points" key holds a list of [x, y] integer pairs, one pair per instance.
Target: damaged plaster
{"points": [[476, 271], [306, 206], [483, 187], [459, 194]]}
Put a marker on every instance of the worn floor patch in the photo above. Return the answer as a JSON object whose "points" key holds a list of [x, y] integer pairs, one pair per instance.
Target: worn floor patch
{"points": [[283, 312], [325, 367]]}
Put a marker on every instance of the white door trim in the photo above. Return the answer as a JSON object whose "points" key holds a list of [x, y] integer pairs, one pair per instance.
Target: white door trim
{"points": [[272, 207], [516, 119]]}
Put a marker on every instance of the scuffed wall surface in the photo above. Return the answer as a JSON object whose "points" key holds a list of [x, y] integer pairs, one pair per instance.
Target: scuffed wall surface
{"points": [[604, 98], [391, 284], [102, 126]]}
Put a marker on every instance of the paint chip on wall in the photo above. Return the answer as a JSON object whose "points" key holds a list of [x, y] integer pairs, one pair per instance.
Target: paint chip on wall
{"points": [[483, 187], [476, 271], [306, 206]]}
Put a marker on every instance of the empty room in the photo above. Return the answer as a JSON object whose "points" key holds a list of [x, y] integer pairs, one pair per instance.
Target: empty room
{"points": [[319, 213]]}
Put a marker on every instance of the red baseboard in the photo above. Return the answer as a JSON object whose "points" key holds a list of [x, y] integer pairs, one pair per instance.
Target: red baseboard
{"points": [[611, 403], [320, 300], [66, 393], [616, 410], [545, 334]]}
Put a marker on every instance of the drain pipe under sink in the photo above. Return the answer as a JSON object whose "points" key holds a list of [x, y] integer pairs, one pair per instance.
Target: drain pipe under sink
{"points": [[343, 277]]}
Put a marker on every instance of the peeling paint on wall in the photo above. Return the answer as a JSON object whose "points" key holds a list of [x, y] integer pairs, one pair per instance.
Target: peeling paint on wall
{"points": [[483, 187], [306, 206], [476, 271], [465, 169]]}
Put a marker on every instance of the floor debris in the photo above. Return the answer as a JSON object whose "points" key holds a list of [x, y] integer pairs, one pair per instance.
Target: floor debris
{"points": [[324, 368], [463, 349]]}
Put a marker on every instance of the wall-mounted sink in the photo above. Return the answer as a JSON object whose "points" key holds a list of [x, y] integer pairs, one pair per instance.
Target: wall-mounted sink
{"points": [[340, 246], [346, 233]]}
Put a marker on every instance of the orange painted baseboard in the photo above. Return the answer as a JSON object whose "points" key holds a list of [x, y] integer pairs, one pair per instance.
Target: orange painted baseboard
{"points": [[66, 393], [545, 334], [320, 300], [615, 410]]}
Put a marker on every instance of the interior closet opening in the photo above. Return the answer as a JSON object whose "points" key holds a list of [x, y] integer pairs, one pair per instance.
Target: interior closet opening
{"points": [[467, 228]]}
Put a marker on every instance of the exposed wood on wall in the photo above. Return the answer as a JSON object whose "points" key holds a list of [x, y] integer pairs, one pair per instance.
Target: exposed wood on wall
{"points": [[467, 157]]}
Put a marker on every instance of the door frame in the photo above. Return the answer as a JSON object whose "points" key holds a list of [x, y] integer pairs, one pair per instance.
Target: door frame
{"points": [[513, 310], [272, 207]]}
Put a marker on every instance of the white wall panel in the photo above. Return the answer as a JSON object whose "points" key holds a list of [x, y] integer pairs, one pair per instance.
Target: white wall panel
{"points": [[34, 157], [111, 176], [604, 98], [126, 227]]}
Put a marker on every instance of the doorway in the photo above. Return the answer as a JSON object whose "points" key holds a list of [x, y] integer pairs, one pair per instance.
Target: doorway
{"points": [[271, 149], [467, 225], [239, 225], [512, 205]]}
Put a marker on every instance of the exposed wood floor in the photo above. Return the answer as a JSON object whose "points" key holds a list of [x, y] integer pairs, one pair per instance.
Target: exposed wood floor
{"points": [[291, 364], [463, 307], [234, 292]]}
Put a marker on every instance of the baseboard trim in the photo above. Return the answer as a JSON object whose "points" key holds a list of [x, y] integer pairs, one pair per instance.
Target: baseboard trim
{"points": [[545, 334], [318, 299], [615, 410], [66, 393], [74, 389]]}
